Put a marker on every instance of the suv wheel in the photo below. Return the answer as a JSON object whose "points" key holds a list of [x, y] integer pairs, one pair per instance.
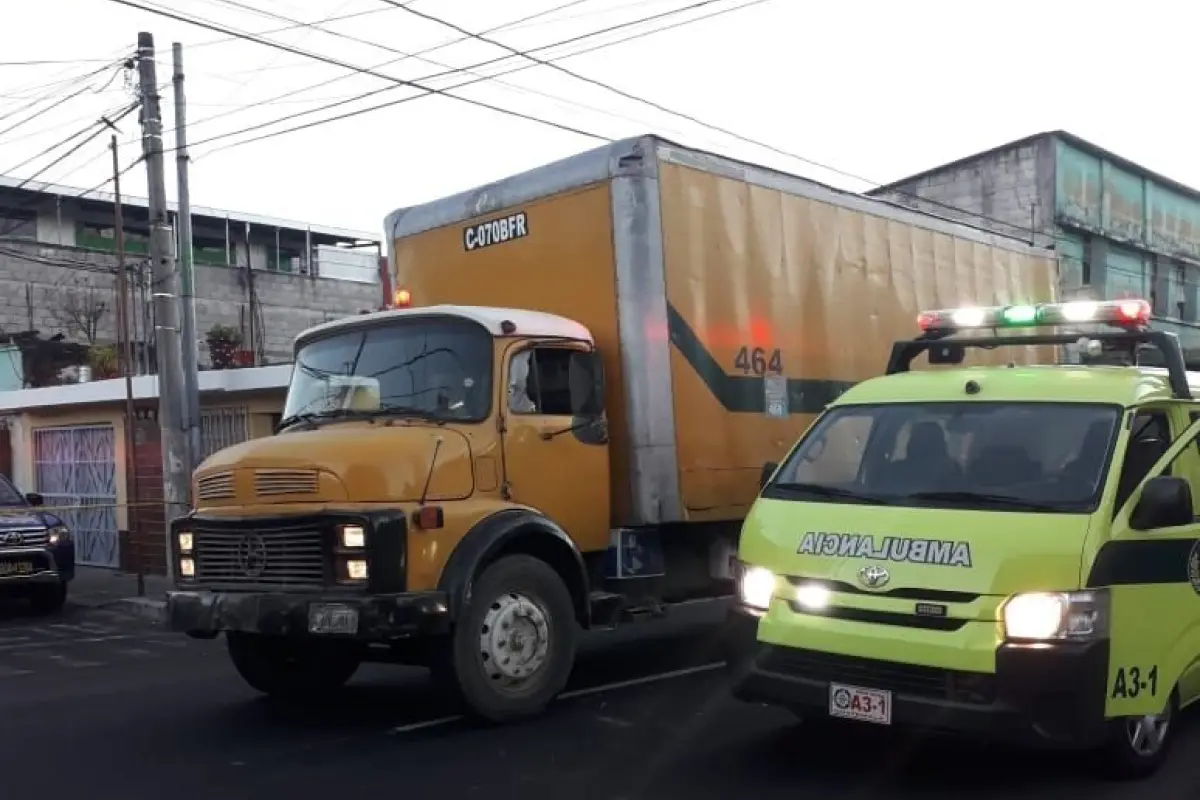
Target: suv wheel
{"points": [[49, 599]]}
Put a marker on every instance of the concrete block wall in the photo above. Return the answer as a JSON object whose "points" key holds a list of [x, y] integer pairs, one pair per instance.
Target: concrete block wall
{"points": [[1010, 192], [58, 290]]}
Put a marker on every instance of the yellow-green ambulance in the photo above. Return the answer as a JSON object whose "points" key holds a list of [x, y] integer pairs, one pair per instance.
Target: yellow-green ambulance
{"points": [[1011, 550]]}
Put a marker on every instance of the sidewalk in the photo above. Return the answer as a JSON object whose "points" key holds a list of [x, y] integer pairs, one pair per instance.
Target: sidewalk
{"points": [[96, 587]]}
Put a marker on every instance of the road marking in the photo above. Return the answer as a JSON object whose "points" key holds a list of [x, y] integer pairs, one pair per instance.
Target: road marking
{"points": [[13, 672], [71, 662], [13, 639], [607, 687], [662, 676]]}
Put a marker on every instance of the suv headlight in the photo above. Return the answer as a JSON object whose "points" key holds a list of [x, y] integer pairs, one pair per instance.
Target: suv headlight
{"points": [[757, 587], [59, 533], [1056, 616]]}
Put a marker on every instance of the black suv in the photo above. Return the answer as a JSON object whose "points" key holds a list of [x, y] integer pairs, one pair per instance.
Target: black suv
{"points": [[37, 555]]}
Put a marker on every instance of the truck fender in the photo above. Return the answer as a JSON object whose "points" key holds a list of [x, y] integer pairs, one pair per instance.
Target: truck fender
{"points": [[514, 531]]}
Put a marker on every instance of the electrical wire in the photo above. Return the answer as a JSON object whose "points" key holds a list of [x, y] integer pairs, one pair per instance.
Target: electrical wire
{"points": [[520, 68], [388, 63], [361, 70], [449, 69], [104, 120]]}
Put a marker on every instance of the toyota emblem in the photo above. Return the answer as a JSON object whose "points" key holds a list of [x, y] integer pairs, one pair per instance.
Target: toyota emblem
{"points": [[874, 576], [13, 538], [252, 555]]}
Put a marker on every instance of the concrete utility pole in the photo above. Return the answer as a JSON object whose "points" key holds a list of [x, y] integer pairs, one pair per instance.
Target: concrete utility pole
{"points": [[133, 495], [187, 275], [176, 478]]}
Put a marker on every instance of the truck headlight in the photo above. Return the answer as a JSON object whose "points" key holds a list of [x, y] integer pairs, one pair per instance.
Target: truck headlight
{"points": [[1052, 616], [186, 542], [757, 587], [59, 533], [353, 537]]}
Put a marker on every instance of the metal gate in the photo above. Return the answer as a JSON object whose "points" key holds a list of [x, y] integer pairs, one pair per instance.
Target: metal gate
{"points": [[223, 427], [76, 467]]}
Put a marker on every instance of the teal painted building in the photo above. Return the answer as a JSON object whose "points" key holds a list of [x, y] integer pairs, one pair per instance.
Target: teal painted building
{"points": [[1119, 229]]}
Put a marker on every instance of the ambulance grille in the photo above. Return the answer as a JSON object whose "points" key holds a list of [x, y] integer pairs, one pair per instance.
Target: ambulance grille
{"points": [[964, 687]]}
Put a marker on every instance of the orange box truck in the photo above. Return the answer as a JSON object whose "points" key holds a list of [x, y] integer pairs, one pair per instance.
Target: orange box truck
{"points": [[564, 421]]}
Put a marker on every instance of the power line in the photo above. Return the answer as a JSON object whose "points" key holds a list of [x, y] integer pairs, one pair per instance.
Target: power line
{"points": [[362, 70], [450, 69], [102, 121], [326, 20], [392, 103], [389, 62]]}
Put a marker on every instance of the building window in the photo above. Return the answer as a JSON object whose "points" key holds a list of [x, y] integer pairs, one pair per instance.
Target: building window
{"points": [[1085, 262], [18, 224]]}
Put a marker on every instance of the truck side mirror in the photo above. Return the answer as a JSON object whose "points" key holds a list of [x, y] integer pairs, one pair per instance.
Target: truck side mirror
{"points": [[1166, 502], [587, 384], [35, 499], [768, 469]]}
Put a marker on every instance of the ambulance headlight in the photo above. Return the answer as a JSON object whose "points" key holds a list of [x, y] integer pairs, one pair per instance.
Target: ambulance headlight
{"points": [[1055, 616], [757, 587]]}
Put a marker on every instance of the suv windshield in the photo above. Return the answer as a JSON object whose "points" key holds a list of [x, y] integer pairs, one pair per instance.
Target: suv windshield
{"points": [[996, 456], [439, 368]]}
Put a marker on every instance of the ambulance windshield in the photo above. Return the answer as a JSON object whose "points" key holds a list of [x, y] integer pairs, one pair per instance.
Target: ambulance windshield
{"points": [[1049, 457], [433, 367]]}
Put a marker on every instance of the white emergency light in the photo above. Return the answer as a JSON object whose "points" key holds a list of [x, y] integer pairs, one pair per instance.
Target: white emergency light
{"points": [[1118, 313]]}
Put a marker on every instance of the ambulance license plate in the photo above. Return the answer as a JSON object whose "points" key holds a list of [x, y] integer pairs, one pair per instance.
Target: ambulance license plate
{"points": [[857, 703]]}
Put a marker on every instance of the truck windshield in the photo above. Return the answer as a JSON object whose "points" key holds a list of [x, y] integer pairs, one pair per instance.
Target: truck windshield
{"points": [[436, 368], [1048, 457]]}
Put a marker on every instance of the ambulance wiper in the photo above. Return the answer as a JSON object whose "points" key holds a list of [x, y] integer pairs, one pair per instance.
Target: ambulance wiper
{"points": [[984, 498], [831, 491]]}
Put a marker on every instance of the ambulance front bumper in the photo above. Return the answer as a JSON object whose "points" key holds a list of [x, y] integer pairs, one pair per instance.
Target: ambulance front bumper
{"points": [[1048, 693]]}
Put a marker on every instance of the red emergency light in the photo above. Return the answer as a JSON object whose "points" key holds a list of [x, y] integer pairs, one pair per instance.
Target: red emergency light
{"points": [[402, 299]]}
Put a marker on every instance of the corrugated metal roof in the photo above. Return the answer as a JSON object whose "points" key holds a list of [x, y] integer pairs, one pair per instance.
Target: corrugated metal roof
{"points": [[8, 182]]}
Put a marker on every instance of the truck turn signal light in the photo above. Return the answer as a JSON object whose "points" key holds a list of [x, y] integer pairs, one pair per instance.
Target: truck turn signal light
{"points": [[1118, 313], [403, 298]]}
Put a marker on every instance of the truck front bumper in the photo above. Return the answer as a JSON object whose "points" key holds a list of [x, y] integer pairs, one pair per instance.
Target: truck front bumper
{"points": [[1046, 693], [380, 617]]}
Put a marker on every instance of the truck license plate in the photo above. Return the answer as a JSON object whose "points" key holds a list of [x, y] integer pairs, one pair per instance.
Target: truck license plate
{"points": [[857, 703], [332, 618], [8, 568]]}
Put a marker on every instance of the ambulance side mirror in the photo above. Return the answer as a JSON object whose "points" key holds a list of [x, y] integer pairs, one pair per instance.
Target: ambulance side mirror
{"points": [[1166, 502], [768, 469]]}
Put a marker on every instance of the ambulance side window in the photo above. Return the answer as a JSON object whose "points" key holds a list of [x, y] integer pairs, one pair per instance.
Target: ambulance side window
{"points": [[1149, 438]]}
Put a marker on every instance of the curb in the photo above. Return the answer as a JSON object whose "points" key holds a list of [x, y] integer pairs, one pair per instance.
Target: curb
{"points": [[143, 607]]}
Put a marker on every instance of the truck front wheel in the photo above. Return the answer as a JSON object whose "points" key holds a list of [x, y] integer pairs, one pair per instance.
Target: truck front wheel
{"points": [[513, 646], [289, 669]]}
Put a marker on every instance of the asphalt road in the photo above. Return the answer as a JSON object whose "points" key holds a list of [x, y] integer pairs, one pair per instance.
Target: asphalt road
{"points": [[94, 704]]}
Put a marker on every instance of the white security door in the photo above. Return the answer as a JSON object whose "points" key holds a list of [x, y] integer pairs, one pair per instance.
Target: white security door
{"points": [[75, 468]]}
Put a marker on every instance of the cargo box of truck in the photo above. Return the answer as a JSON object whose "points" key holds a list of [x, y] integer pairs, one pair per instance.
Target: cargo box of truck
{"points": [[730, 302]]}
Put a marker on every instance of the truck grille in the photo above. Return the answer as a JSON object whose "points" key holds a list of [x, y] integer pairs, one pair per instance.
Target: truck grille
{"points": [[30, 538], [271, 482], [215, 487], [910, 679], [277, 558]]}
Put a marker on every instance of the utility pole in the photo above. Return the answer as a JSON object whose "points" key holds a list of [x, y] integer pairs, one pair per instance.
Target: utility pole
{"points": [[176, 478], [187, 275], [133, 488]]}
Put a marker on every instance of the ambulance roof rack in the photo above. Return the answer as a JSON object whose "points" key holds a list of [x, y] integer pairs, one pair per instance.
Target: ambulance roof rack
{"points": [[1131, 317]]}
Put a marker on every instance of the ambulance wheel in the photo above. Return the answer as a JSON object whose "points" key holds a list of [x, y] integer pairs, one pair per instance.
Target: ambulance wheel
{"points": [[513, 647], [1138, 746]]}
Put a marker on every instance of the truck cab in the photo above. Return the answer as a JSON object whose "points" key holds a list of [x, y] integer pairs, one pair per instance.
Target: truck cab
{"points": [[1005, 551], [427, 467]]}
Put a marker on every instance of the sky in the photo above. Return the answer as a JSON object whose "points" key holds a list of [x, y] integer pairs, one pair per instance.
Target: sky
{"points": [[874, 89]]}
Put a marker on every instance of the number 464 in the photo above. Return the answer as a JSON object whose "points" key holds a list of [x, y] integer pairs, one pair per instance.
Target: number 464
{"points": [[758, 360]]}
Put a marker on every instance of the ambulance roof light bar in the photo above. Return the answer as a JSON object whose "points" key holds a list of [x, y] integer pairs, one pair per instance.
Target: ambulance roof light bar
{"points": [[1132, 314]]}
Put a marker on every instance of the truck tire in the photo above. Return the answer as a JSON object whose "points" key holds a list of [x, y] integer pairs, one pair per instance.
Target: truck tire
{"points": [[513, 647], [49, 599], [289, 669], [1138, 746]]}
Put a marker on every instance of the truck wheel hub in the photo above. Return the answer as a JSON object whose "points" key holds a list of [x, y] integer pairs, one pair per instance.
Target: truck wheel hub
{"points": [[515, 638]]}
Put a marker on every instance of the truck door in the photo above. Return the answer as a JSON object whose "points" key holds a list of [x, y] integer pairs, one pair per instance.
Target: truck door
{"points": [[556, 438], [1153, 575]]}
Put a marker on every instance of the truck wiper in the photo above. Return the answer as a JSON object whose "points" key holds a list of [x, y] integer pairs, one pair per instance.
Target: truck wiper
{"points": [[832, 491], [288, 422], [1006, 500]]}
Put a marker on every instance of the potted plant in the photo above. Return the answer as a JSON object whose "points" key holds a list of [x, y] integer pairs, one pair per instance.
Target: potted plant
{"points": [[102, 358], [223, 343]]}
